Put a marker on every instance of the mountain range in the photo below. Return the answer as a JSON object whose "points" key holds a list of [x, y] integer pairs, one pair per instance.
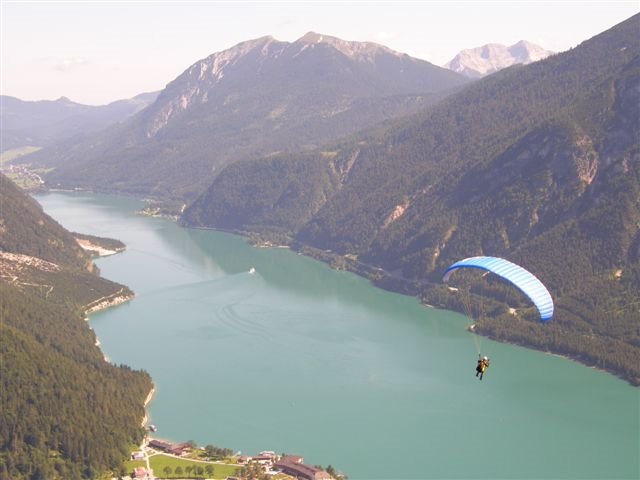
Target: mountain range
{"points": [[487, 59], [43, 123], [258, 98]]}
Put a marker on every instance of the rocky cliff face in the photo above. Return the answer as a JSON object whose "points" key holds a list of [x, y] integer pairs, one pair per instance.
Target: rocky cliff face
{"points": [[198, 81], [352, 69], [481, 61]]}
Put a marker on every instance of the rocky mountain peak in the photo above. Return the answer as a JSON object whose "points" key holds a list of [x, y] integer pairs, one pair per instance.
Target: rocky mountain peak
{"points": [[527, 52], [216, 62], [257, 64], [194, 84], [363, 50], [481, 61], [312, 37], [247, 46]]}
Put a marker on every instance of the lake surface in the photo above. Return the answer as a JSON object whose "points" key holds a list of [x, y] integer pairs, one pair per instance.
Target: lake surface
{"points": [[301, 359]]}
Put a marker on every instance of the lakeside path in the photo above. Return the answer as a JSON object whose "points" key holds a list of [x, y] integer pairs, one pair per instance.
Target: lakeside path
{"points": [[144, 446], [150, 475]]}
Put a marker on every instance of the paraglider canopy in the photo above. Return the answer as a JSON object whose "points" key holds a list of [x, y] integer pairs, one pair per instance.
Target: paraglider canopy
{"points": [[524, 280]]}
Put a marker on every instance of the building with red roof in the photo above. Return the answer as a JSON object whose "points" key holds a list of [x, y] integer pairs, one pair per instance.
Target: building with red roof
{"points": [[292, 465]]}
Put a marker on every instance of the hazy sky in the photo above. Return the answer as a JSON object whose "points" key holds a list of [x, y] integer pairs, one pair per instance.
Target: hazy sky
{"points": [[96, 52]]}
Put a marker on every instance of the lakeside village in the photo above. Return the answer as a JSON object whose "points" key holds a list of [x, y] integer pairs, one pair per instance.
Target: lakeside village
{"points": [[158, 459]]}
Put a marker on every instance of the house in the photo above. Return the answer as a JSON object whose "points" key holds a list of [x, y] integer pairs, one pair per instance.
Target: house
{"points": [[292, 465], [178, 449], [160, 445], [173, 449], [293, 458], [139, 455], [139, 472], [263, 459]]}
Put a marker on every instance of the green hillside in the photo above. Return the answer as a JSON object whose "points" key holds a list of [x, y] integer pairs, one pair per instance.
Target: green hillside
{"points": [[66, 413], [539, 164], [27, 230]]}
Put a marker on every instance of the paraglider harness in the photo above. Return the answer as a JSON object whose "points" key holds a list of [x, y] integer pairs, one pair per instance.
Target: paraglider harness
{"points": [[483, 364]]}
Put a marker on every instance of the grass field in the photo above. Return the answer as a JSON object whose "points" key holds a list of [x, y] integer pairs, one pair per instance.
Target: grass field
{"points": [[159, 462]]}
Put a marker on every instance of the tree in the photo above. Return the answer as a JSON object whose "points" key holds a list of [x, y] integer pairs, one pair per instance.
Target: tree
{"points": [[209, 470], [199, 470], [178, 470], [167, 470]]}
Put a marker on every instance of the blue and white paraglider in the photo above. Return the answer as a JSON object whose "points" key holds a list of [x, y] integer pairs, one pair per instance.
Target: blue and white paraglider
{"points": [[522, 279]]}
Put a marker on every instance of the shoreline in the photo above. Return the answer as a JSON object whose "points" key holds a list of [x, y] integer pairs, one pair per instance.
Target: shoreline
{"points": [[631, 381], [472, 330], [147, 400], [387, 281], [103, 304], [95, 249], [108, 301]]}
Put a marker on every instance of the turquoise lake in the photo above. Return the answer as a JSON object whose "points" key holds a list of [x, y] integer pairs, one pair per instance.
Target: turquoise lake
{"points": [[302, 359]]}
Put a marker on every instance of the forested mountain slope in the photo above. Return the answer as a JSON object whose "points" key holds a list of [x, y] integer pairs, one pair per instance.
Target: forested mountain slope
{"points": [[538, 163], [66, 413], [258, 98]]}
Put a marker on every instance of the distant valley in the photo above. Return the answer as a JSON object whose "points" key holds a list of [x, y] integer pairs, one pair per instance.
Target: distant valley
{"points": [[43, 123]]}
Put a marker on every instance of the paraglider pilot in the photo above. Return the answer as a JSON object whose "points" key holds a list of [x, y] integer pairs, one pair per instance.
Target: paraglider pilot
{"points": [[483, 364]]}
